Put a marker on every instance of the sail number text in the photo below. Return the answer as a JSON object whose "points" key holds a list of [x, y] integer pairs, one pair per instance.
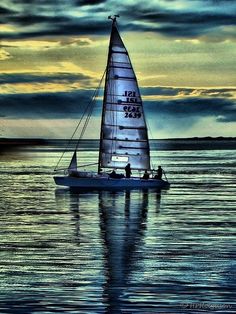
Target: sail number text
{"points": [[131, 111], [130, 96]]}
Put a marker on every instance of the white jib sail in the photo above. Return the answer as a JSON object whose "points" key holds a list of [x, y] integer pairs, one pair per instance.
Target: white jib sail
{"points": [[124, 137], [73, 163]]}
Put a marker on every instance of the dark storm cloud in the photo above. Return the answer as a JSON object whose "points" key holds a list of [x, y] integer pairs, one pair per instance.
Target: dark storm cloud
{"points": [[27, 20], [219, 2], [188, 18], [5, 11], [29, 78], [88, 2], [72, 104], [47, 105], [58, 26], [177, 23], [159, 90], [47, 18], [223, 110], [188, 91]]}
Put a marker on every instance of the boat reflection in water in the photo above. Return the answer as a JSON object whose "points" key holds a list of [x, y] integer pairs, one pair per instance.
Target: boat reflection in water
{"points": [[122, 221]]}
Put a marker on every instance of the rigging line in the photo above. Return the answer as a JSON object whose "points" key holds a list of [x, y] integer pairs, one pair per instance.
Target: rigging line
{"points": [[112, 88], [80, 121], [95, 95], [80, 166], [66, 148], [116, 113], [150, 131], [158, 157], [84, 127]]}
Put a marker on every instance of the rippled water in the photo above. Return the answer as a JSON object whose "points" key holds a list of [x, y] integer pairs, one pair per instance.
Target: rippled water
{"points": [[118, 252]]}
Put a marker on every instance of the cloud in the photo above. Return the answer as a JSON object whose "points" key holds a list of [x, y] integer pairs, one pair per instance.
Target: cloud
{"points": [[179, 23], [181, 92], [27, 20], [46, 106], [88, 2], [35, 78], [172, 18], [62, 28], [5, 11], [46, 77], [72, 104], [4, 55], [193, 109]]}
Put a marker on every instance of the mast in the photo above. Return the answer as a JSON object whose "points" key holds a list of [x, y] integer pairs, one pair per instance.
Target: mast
{"points": [[113, 18]]}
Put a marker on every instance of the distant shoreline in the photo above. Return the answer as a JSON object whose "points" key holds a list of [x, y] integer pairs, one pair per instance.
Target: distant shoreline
{"points": [[174, 144], [42, 141]]}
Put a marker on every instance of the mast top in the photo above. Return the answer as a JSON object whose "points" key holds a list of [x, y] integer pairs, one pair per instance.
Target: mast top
{"points": [[113, 18]]}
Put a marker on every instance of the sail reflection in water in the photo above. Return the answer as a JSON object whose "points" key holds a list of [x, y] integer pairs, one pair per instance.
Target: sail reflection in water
{"points": [[122, 221]]}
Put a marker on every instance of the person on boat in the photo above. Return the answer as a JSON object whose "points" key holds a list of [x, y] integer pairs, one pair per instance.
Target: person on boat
{"points": [[146, 175], [115, 175], [159, 173], [128, 171]]}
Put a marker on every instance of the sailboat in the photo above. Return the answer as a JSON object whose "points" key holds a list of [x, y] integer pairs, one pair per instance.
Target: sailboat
{"points": [[123, 134]]}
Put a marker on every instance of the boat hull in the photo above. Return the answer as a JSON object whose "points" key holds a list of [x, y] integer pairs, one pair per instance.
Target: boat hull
{"points": [[109, 183]]}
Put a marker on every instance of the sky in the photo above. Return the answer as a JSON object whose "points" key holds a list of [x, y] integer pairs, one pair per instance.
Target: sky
{"points": [[53, 55]]}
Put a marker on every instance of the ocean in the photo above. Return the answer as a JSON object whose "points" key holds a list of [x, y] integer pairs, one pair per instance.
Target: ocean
{"points": [[169, 251]]}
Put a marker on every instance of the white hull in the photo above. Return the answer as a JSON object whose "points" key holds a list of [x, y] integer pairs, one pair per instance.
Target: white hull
{"points": [[102, 183]]}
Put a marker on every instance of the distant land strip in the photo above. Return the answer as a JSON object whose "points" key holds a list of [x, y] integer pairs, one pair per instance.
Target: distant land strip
{"points": [[193, 143]]}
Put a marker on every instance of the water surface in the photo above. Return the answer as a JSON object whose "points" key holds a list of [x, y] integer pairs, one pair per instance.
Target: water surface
{"points": [[118, 252]]}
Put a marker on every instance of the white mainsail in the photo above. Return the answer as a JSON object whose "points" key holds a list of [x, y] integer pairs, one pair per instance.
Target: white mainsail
{"points": [[124, 137]]}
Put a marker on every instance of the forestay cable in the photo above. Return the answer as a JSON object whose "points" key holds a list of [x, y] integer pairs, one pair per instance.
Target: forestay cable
{"points": [[89, 109]]}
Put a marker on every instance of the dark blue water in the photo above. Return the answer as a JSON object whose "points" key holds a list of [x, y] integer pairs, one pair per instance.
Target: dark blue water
{"points": [[118, 252]]}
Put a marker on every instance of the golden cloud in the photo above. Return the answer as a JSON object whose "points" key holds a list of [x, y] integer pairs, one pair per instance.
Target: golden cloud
{"points": [[4, 55]]}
